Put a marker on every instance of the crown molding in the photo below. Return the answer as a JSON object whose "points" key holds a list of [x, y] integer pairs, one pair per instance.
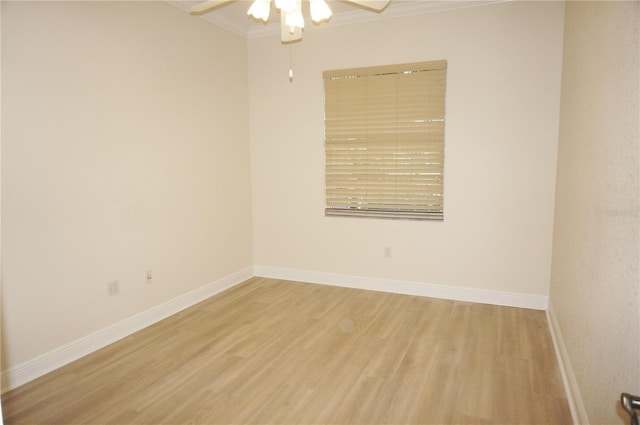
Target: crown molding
{"points": [[233, 26], [228, 24], [396, 9]]}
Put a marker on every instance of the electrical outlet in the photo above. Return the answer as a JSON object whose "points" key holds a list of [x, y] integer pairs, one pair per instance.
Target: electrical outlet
{"points": [[149, 276], [113, 288]]}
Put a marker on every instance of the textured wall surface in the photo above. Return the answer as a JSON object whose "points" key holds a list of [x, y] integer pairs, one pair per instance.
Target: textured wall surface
{"points": [[595, 284]]}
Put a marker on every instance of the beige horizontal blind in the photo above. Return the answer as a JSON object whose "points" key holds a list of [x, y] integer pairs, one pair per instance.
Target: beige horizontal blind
{"points": [[384, 140]]}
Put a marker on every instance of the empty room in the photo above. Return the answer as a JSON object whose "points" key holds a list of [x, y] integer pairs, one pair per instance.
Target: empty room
{"points": [[309, 212]]}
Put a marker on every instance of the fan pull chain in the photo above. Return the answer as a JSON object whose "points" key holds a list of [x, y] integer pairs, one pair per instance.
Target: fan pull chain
{"points": [[290, 63]]}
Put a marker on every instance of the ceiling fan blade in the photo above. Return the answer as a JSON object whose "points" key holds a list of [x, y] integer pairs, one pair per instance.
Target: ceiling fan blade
{"points": [[287, 36], [375, 5], [206, 6]]}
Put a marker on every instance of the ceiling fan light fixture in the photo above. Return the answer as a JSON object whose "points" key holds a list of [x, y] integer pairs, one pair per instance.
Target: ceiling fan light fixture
{"points": [[260, 9], [291, 20], [286, 5], [294, 18], [320, 10]]}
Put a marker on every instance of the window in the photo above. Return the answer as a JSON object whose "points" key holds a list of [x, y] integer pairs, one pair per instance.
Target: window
{"points": [[384, 141]]}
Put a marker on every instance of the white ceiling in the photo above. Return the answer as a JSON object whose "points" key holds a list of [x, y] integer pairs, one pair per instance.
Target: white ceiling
{"points": [[233, 16]]}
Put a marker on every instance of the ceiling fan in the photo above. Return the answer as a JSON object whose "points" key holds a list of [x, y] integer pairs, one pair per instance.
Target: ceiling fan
{"points": [[291, 19]]}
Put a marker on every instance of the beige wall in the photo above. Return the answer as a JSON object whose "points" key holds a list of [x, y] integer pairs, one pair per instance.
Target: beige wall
{"points": [[503, 91], [1, 314], [125, 148], [126, 129], [595, 284]]}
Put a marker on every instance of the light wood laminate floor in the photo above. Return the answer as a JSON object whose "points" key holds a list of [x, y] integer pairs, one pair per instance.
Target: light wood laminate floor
{"points": [[272, 351]]}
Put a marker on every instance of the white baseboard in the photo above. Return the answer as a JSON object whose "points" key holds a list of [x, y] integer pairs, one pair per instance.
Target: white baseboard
{"points": [[484, 296], [41, 365], [576, 405], [32, 369]]}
